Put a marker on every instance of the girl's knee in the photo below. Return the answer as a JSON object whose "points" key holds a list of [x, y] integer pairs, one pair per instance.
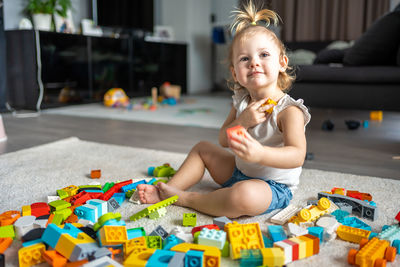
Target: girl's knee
{"points": [[249, 199]]}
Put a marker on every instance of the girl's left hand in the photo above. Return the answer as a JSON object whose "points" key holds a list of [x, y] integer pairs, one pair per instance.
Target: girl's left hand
{"points": [[246, 147]]}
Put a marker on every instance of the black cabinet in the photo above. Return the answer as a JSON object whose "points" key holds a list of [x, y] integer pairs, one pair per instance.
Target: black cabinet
{"points": [[80, 69]]}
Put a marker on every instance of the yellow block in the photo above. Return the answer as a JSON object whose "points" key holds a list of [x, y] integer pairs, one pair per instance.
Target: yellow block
{"points": [[374, 249], [31, 255], [66, 244], [139, 259], [134, 245], [273, 256], [309, 245], [26, 210], [113, 235], [352, 234], [302, 246], [211, 255]]}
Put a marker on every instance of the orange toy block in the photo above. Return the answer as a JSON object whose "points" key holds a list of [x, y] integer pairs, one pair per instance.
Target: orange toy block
{"points": [[309, 245], [372, 252], [54, 258], [238, 129], [9, 217], [95, 174], [376, 115], [5, 242]]}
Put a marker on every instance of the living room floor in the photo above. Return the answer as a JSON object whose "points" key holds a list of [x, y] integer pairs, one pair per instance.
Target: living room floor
{"points": [[365, 151]]}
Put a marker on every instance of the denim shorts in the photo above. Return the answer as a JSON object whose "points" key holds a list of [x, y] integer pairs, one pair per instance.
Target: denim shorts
{"points": [[281, 194]]}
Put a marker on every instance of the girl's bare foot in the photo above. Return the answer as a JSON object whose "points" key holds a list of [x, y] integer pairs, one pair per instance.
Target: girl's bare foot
{"points": [[167, 191], [148, 194]]}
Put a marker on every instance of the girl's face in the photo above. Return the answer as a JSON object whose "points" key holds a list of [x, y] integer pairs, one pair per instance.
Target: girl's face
{"points": [[256, 61]]}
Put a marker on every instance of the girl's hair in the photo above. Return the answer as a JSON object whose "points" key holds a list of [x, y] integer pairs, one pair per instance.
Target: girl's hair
{"points": [[249, 21]]}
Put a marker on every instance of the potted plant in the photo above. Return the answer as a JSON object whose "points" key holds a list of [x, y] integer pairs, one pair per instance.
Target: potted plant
{"points": [[43, 10]]}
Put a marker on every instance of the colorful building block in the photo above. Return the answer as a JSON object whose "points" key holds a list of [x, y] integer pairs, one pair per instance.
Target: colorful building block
{"points": [[352, 234], [189, 219], [211, 255], [295, 230], [101, 205], [212, 237], [154, 242], [95, 174], [284, 215], [251, 257], [171, 241], [374, 252], [312, 213], [238, 130], [276, 232], [32, 255], [9, 217], [23, 225], [59, 205], [136, 232], [287, 250], [7, 231], [301, 247], [243, 236], [273, 257], [39, 209], [160, 258], [194, 258], [112, 235], [5, 242], [88, 212], [154, 207], [208, 226], [135, 245], [390, 234], [106, 217], [53, 258], [317, 231], [160, 231], [221, 221], [139, 259], [178, 260], [158, 213]]}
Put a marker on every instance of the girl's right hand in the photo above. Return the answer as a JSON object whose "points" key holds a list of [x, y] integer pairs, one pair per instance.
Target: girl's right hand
{"points": [[254, 114]]}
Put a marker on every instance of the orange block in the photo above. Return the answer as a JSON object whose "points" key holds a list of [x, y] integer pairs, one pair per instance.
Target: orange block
{"points": [[54, 258], [5, 242], [239, 130], [95, 174], [9, 217]]}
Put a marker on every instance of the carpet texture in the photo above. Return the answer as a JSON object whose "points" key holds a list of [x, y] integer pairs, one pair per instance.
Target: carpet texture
{"points": [[191, 111], [30, 175]]}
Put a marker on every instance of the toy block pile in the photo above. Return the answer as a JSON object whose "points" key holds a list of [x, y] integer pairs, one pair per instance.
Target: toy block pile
{"points": [[81, 226]]}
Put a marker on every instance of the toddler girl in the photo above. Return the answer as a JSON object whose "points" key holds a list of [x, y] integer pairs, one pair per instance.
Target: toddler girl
{"points": [[262, 168]]}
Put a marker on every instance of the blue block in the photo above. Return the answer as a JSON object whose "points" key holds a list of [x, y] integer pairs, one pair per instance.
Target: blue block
{"points": [[316, 231], [152, 181], [87, 212], [131, 186], [100, 204], [340, 215], [396, 244], [268, 243], [194, 258], [52, 233], [171, 241], [277, 233], [251, 257], [355, 222], [119, 197], [115, 222], [160, 258], [32, 242], [135, 232]]}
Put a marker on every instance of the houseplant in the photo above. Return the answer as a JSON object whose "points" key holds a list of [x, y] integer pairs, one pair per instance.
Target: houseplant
{"points": [[43, 10]]}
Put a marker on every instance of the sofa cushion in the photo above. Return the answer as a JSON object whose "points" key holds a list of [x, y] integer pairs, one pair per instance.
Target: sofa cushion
{"points": [[348, 74], [327, 56], [378, 45]]}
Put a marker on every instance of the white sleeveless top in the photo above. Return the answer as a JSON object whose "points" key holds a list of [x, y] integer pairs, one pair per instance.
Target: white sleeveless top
{"points": [[268, 134]]}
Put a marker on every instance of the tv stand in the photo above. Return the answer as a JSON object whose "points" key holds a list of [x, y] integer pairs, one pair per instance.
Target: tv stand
{"points": [[80, 69]]}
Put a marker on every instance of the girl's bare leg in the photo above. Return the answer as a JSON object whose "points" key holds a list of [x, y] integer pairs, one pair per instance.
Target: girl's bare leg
{"points": [[250, 197], [219, 162]]}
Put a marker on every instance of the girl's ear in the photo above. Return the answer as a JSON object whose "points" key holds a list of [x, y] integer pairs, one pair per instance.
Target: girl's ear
{"points": [[283, 61], [233, 73]]}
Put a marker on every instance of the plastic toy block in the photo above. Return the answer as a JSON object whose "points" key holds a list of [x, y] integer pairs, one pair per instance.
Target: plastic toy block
{"points": [[75, 249], [112, 204], [32, 242], [139, 259], [374, 252], [95, 174], [182, 234], [212, 237], [154, 242], [56, 219], [104, 252], [160, 258], [355, 222], [268, 243], [390, 234], [41, 223], [243, 236], [315, 243], [189, 219], [106, 217], [103, 261], [221, 221], [135, 198], [194, 258], [70, 190], [273, 257], [287, 250], [39, 209], [119, 197], [26, 210], [339, 191], [135, 245], [160, 181], [251, 257], [158, 213], [302, 246], [7, 231], [53, 233], [59, 205], [309, 245], [312, 213], [238, 130], [295, 230], [151, 181], [352, 234], [154, 207], [316, 231], [54, 258], [171, 241], [295, 248], [132, 186], [396, 244], [208, 226], [359, 195], [135, 232], [101, 205], [160, 232], [31, 255], [5, 242], [107, 186], [268, 102], [340, 214], [376, 115], [23, 225], [178, 260], [398, 217], [329, 223], [65, 213], [276, 232], [112, 235], [284, 215], [225, 250], [61, 194], [211, 255], [9, 217], [164, 170], [359, 207]]}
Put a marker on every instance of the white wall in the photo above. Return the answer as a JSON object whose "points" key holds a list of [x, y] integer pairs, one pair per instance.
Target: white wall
{"points": [[13, 12]]}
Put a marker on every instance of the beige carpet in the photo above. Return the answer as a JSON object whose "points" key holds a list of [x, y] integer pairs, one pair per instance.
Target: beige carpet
{"points": [[30, 175]]}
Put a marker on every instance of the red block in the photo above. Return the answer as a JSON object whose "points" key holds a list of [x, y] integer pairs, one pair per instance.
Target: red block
{"points": [[398, 216], [295, 249], [239, 130], [39, 209], [209, 226]]}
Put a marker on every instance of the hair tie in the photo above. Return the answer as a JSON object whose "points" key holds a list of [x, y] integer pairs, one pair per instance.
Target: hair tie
{"points": [[254, 23]]}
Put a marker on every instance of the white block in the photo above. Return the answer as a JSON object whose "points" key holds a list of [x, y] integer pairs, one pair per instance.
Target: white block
{"points": [[285, 214], [287, 249], [296, 230], [329, 223], [103, 261], [23, 225]]}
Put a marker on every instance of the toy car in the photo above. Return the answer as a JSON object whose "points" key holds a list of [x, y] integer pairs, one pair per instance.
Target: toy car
{"points": [[372, 252], [313, 212]]}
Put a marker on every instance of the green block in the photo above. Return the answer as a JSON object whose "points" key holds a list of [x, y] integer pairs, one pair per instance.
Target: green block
{"points": [[225, 250], [106, 217], [189, 219], [154, 242], [107, 186], [65, 213], [129, 193], [62, 194], [7, 231], [59, 205], [58, 219], [158, 213], [145, 212], [90, 186], [196, 237]]}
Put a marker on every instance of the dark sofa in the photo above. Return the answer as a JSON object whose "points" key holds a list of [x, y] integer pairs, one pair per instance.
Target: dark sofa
{"points": [[363, 76]]}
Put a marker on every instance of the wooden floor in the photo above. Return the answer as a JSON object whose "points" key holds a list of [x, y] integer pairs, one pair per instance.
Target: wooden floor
{"points": [[366, 151]]}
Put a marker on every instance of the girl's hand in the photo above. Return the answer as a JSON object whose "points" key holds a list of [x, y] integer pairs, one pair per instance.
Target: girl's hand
{"points": [[254, 114], [246, 147]]}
